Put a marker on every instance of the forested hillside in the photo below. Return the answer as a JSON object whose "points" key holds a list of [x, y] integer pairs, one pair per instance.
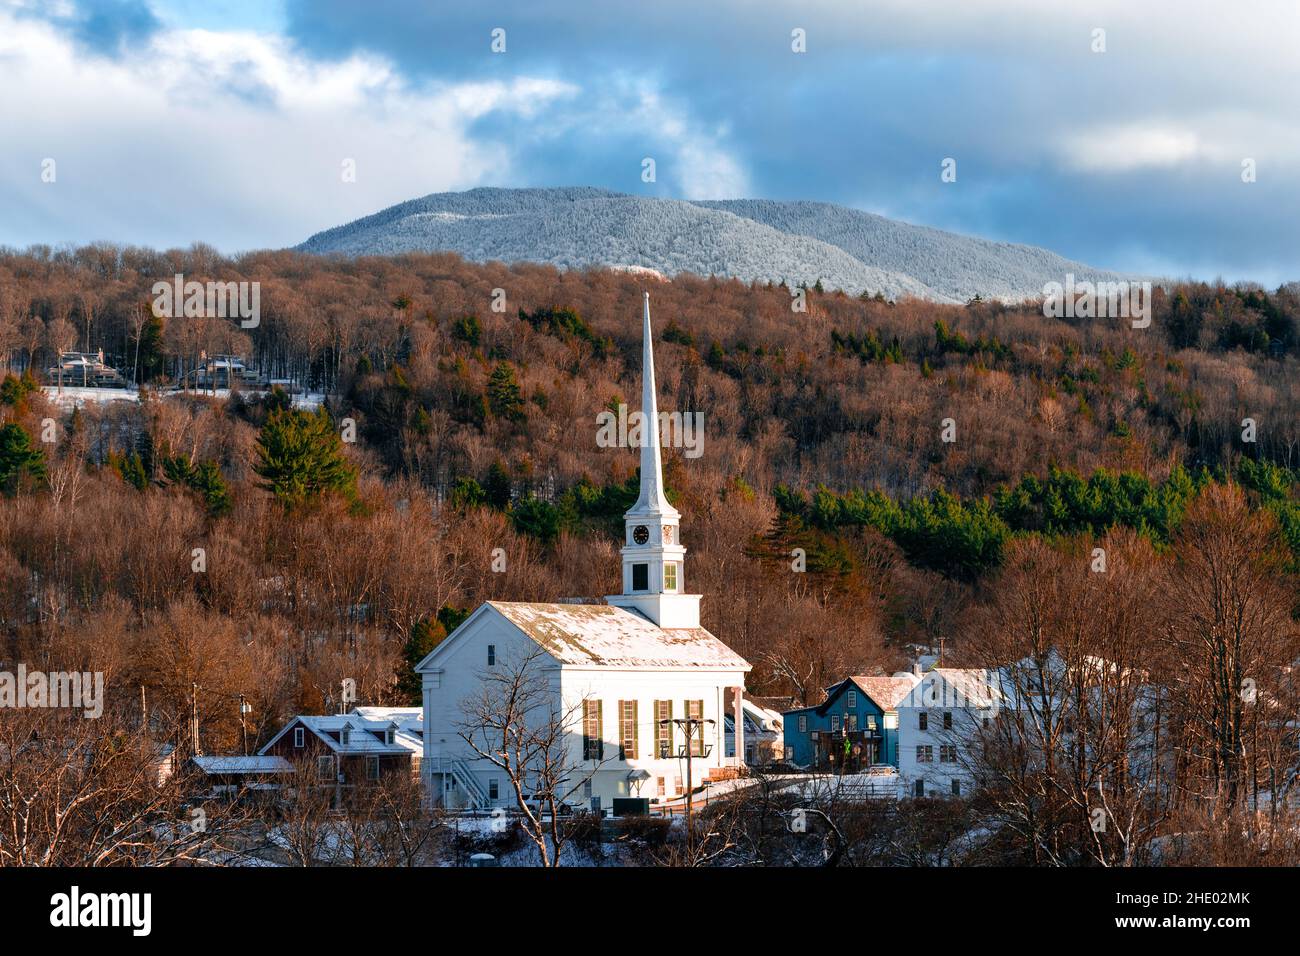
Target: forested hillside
{"points": [[476, 429]]}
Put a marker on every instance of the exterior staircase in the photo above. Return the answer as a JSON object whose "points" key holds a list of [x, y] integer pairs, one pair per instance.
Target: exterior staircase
{"points": [[465, 778]]}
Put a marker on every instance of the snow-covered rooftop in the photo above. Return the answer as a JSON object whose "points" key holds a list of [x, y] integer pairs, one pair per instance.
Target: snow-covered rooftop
{"points": [[365, 736], [601, 635], [887, 692], [259, 764]]}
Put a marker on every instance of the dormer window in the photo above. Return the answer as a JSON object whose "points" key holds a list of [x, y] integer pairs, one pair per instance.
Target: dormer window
{"points": [[388, 736], [345, 735]]}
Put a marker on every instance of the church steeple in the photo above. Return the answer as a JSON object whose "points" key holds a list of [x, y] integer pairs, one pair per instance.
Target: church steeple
{"points": [[652, 553], [651, 500]]}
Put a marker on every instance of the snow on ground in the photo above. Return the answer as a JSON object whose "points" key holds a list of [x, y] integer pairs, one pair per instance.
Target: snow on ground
{"points": [[71, 397]]}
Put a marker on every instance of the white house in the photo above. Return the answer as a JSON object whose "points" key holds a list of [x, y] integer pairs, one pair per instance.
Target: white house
{"points": [[942, 723], [938, 722], [620, 672]]}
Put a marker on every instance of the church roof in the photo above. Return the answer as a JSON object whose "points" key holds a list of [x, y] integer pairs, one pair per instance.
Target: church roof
{"points": [[601, 635]]}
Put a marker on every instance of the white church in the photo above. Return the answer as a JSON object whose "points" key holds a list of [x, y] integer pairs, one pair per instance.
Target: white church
{"points": [[630, 676]]}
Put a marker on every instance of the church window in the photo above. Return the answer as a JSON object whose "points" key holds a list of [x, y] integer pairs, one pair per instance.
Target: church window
{"points": [[664, 728], [695, 711], [640, 577], [627, 735], [593, 747], [670, 577]]}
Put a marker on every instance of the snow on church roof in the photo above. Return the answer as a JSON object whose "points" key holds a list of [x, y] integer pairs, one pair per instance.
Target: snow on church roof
{"points": [[602, 635]]}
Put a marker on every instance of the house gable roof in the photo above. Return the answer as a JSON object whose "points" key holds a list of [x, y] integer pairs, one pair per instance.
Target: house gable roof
{"points": [[886, 692], [366, 737]]}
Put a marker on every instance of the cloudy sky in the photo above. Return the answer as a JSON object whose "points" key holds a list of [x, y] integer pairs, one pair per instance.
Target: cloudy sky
{"points": [[229, 121]]}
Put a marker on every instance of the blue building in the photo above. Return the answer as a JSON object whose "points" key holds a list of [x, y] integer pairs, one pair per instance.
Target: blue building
{"points": [[854, 727]]}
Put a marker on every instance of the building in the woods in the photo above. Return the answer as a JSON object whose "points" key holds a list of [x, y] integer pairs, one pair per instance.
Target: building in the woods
{"points": [[348, 749], [227, 776], [940, 721], [761, 734], [854, 728], [622, 674]]}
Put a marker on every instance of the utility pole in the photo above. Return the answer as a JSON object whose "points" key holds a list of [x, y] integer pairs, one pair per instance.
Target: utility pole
{"points": [[243, 728], [688, 725], [194, 718]]}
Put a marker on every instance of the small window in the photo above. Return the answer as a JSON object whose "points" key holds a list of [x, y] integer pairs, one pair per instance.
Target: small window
{"points": [[670, 577], [372, 768], [924, 753], [918, 788], [803, 723], [947, 753], [922, 721], [947, 720], [345, 735], [299, 737], [835, 723], [956, 788], [492, 655], [640, 577], [851, 700], [325, 767], [493, 790], [388, 736], [851, 722]]}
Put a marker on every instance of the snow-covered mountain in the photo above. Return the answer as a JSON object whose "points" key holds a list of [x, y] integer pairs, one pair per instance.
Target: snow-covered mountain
{"points": [[746, 238]]}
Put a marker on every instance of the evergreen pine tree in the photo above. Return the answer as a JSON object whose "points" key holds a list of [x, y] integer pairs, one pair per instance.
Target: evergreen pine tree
{"points": [[504, 396], [497, 486], [300, 456], [20, 462], [425, 636]]}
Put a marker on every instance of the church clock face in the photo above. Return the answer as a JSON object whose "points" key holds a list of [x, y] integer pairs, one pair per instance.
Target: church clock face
{"points": [[640, 534]]}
